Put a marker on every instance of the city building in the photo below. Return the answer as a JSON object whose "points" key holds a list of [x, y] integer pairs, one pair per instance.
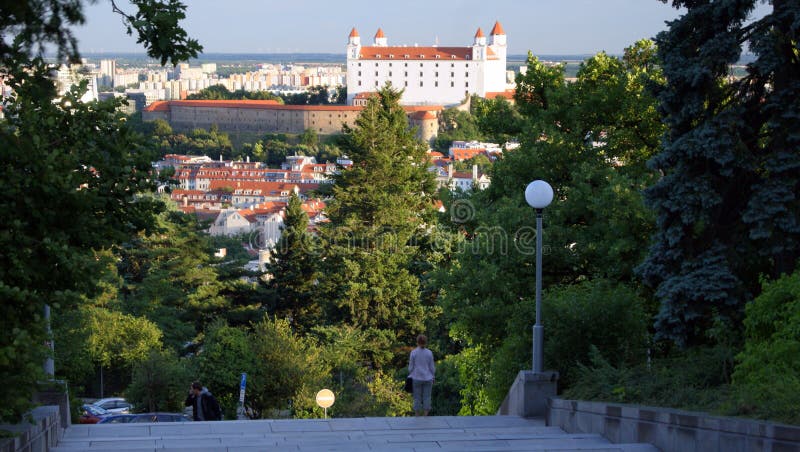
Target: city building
{"points": [[434, 75]]}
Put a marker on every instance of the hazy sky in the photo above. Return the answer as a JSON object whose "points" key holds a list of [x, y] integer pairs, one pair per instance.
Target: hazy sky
{"points": [[322, 26]]}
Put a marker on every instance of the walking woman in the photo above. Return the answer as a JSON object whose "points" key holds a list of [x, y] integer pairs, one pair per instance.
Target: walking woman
{"points": [[421, 370]]}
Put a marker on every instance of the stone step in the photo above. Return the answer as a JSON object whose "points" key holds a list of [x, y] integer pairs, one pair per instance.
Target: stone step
{"points": [[440, 433]]}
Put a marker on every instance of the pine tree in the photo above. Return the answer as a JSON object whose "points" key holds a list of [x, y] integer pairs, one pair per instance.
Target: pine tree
{"points": [[294, 270], [727, 204], [380, 204]]}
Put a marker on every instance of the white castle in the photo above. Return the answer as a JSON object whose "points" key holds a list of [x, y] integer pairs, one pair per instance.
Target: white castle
{"points": [[428, 75]]}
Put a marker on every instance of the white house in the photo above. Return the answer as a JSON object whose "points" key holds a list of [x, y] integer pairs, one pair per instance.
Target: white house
{"points": [[434, 75]]}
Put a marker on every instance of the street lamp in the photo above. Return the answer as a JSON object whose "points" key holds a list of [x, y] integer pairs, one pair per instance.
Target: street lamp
{"points": [[538, 194]]}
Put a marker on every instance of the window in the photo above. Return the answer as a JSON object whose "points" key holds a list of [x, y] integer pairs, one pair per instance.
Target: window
{"points": [[359, 83], [466, 74], [405, 74], [452, 84], [466, 84], [359, 73], [405, 83], [376, 83], [376, 63], [436, 84], [390, 73], [420, 73], [435, 74], [359, 64], [406, 64], [376, 73], [420, 84]]}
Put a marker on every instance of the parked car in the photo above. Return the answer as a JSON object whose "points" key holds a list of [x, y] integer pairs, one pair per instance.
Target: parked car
{"points": [[115, 405], [92, 414], [144, 417]]}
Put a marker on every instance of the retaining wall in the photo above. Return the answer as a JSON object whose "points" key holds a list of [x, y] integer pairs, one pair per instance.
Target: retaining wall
{"points": [[670, 429]]}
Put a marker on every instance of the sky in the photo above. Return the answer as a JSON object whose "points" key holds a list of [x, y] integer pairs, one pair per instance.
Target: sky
{"points": [[546, 27]]}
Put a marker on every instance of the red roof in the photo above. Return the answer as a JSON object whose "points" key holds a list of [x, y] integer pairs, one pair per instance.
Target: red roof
{"points": [[272, 105], [159, 105], [498, 29], [423, 115], [353, 33], [479, 33], [415, 53], [379, 34], [508, 94]]}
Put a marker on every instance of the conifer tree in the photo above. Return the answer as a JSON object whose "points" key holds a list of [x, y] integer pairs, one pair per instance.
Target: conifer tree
{"points": [[293, 268], [727, 204], [379, 206]]}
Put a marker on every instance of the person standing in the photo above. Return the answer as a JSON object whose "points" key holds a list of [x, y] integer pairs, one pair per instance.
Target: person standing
{"points": [[421, 370], [204, 406]]}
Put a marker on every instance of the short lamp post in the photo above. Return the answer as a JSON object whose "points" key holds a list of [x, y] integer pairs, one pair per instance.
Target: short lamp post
{"points": [[538, 194]]}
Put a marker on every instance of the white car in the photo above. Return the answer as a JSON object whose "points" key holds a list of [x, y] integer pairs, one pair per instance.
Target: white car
{"points": [[115, 405]]}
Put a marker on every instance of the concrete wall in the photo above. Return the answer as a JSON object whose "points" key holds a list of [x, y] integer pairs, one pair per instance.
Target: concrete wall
{"points": [[40, 436], [671, 430]]}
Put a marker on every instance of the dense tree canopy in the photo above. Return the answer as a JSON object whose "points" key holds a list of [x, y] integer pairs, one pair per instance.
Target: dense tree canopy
{"points": [[727, 206]]}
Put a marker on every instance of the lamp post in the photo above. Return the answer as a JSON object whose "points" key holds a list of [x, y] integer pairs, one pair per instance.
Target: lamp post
{"points": [[538, 194]]}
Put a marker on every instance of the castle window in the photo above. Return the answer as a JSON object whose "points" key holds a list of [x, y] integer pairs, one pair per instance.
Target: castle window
{"points": [[405, 73], [452, 57], [406, 83], [390, 73], [466, 74], [405, 64], [466, 84], [359, 73], [452, 74], [359, 83], [420, 84], [438, 56], [436, 84], [376, 63], [405, 56], [376, 73], [420, 73], [452, 84], [376, 83], [391, 56], [359, 64], [436, 74]]}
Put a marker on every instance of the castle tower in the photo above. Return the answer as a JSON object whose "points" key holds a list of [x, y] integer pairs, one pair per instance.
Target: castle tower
{"points": [[380, 39], [479, 46], [353, 44], [497, 40]]}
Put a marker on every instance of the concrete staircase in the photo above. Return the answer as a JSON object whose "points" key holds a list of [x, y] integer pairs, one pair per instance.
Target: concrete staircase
{"points": [[435, 433]]}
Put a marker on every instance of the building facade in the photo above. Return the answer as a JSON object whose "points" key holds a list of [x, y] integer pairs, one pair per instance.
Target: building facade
{"points": [[268, 116], [432, 75]]}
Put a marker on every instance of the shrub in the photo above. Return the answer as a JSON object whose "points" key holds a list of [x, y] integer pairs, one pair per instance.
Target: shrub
{"points": [[766, 380]]}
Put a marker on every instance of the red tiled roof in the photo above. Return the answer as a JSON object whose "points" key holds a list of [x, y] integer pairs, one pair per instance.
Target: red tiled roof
{"points": [[498, 29], [379, 34], [423, 115], [479, 33], [415, 53], [508, 94], [353, 33], [272, 105], [435, 154], [159, 105]]}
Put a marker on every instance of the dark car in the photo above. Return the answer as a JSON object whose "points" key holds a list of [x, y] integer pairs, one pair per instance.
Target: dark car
{"points": [[92, 414], [144, 418]]}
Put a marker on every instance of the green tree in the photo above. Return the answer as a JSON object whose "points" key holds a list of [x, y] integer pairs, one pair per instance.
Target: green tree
{"points": [[159, 382], [456, 125], [765, 381], [727, 204], [379, 205], [497, 119], [592, 230], [293, 267]]}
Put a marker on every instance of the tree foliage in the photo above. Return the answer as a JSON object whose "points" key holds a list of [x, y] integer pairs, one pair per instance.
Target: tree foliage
{"points": [[727, 204], [379, 205]]}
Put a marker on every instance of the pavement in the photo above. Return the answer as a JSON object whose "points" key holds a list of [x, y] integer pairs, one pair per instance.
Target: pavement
{"points": [[434, 433]]}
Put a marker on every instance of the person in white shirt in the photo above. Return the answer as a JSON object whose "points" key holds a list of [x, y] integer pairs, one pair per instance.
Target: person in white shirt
{"points": [[421, 370]]}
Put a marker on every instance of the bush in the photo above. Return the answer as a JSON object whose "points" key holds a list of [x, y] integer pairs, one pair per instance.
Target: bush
{"points": [[766, 380], [160, 383], [596, 313]]}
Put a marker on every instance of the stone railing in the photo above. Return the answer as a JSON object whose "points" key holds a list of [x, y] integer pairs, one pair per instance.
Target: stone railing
{"points": [[40, 436], [669, 429]]}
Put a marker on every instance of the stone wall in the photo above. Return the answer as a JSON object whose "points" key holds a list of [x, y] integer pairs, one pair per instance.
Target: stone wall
{"points": [[670, 429], [40, 436]]}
